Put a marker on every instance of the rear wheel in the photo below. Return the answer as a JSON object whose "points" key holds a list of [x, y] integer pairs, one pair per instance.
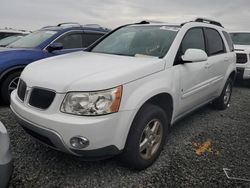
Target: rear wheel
{"points": [[146, 137], [9, 84], [223, 101]]}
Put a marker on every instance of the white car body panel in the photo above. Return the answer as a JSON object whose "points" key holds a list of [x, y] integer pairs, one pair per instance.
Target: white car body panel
{"points": [[243, 68], [244, 49], [102, 71]]}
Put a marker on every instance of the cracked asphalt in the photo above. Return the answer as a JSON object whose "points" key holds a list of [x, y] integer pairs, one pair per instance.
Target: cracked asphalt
{"points": [[196, 151]]}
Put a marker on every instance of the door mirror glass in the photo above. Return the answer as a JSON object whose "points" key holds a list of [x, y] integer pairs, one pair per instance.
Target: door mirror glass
{"points": [[194, 55], [55, 46]]}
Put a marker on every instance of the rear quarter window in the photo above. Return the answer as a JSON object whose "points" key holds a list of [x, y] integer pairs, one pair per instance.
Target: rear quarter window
{"points": [[229, 41]]}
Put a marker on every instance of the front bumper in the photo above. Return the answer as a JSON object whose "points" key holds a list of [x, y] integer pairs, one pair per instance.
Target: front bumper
{"points": [[5, 174], [243, 73], [106, 134], [240, 73], [6, 164]]}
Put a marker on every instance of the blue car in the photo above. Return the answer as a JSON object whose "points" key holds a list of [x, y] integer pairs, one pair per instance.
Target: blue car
{"points": [[46, 42]]}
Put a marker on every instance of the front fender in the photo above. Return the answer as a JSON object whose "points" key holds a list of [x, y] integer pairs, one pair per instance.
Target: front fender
{"points": [[5, 72], [136, 93], [12, 65]]}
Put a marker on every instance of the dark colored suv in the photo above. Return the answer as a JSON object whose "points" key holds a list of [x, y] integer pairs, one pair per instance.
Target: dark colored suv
{"points": [[46, 42]]}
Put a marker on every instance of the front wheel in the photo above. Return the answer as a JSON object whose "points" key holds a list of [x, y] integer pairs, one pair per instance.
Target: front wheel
{"points": [[9, 84], [146, 137], [223, 101]]}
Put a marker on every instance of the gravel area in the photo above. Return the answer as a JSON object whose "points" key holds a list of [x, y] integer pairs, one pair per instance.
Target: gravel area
{"points": [[197, 150]]}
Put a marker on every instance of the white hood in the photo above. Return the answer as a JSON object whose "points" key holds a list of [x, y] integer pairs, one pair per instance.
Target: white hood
{"points": [[243, 48], [85, 71]]}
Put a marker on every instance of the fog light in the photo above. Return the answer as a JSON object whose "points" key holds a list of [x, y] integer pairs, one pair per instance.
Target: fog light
{"points": [[79, 142]]}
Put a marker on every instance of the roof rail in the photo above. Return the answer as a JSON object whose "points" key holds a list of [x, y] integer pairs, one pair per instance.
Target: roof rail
{"points": [[205, 20], [68, 23], [48, 26], [95, 26], [143, 22], [149, 21], [92, 25]]}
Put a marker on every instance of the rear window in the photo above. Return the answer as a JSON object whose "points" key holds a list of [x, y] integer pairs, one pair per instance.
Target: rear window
{"points": [[215, 42], [5, 34], [89, 38]]}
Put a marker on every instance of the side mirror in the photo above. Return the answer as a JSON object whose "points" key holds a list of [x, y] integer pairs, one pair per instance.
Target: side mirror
{"points": [[55, 46], [194, 55]]}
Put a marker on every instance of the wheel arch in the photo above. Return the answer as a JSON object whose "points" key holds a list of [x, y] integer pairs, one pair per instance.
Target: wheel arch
{"points": [[164, 101], [233, 75], [10, 71]]}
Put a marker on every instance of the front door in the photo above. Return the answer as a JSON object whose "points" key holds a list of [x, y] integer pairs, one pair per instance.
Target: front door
{"points": [[194, 77]]}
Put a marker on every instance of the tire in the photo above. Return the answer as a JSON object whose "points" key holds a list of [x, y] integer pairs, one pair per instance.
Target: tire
{"points": [[145, 122], [10, 80], [222, 102]]}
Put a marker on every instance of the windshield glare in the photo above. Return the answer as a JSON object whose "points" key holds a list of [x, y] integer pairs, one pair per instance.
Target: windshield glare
{"points": [[241, 38], [138, 40], [32, 40]]}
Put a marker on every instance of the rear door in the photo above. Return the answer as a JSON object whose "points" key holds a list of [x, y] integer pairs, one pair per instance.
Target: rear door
{"points": [[218, 60]]}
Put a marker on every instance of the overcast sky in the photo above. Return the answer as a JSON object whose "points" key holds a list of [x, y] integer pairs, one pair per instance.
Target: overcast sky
{"points": [[34, 14]]}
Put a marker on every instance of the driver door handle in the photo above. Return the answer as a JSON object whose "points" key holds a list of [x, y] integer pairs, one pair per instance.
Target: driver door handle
{"points": [[208, 65]]}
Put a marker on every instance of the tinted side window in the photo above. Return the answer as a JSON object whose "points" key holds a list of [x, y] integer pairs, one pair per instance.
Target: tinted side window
{"points": [[71, 41], [214, 41], [229, 41], [89, 38], [193, 39]]}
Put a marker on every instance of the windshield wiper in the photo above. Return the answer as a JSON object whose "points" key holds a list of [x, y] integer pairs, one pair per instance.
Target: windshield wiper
{"points": [[110, 53]]}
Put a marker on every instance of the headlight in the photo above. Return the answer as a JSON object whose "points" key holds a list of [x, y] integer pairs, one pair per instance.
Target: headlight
{"points": [[92, 103]]}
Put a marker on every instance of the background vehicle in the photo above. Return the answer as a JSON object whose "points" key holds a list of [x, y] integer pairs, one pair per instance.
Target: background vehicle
{"points": [[6, 165], [241, 42], [46, 42], [126, 90], [11, 32], [8, 40]]}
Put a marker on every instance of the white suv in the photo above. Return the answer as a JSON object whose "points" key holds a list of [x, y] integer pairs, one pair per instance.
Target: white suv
{"points": [[241, 42], [123, 93]]}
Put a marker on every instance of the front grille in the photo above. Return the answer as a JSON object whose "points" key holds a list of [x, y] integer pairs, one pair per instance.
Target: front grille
{"points": [[241, 58], [21, 90], [39, 137], [41, 98]]}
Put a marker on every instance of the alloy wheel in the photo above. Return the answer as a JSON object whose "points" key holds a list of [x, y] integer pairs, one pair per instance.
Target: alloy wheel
{"points": [[151, 139]]}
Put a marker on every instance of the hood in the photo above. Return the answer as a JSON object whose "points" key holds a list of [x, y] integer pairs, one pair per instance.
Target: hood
{"points": [[243, 48], [86, 71], [12, 56]]}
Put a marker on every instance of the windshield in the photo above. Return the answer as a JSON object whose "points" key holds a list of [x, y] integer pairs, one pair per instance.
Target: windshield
{"points": [[32, 40], [8, 40], [241, 38], [138, 40]]}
